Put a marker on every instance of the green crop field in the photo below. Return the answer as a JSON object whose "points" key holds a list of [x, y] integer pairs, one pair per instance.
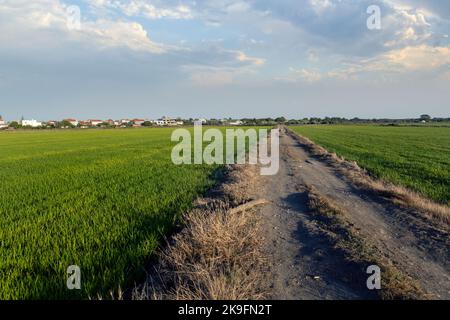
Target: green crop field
{"points": [[99, 199], [416, 157]]}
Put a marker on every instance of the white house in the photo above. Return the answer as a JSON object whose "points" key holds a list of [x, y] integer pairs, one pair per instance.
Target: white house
{"points": [[201, 120], [73, 122], [95, 123], [166, 121], [236, 123], [31, 123], [3, 123]]}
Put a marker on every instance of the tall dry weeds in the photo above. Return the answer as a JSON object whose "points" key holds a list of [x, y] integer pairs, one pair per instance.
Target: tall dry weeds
{"points": [[218, 254]]}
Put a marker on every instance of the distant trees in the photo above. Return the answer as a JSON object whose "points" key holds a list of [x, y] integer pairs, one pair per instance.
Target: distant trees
{"points": [[425, 117], [280, 120], [65, 124], [14, 124], [147, 124]]}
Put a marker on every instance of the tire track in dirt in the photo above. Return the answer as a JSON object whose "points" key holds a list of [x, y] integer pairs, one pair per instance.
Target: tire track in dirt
{"points": [[305, 265]]}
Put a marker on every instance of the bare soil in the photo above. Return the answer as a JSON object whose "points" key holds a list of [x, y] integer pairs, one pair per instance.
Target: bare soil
{"points": [[305, 264]]}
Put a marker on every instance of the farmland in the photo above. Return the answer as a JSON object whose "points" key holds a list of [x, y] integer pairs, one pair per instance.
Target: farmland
{"points": [[416, 157], [99, 199]]}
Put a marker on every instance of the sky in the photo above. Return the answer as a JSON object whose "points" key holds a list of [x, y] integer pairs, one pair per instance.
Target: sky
{"points": [[223, 58]]}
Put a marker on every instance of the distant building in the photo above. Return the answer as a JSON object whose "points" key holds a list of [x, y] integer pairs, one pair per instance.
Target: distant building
{"points": [[3, 123], [31, 123], [166, 121], [138, 122], [236, 123], [201, 120], [73, 122], [95, 123], [85, 124]]}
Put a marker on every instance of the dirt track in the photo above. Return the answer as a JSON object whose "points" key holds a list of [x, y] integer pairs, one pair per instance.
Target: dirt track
{"points": [[305, 265]]}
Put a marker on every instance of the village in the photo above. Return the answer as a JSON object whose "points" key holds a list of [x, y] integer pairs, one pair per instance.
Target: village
{"points": [[70, 123]]}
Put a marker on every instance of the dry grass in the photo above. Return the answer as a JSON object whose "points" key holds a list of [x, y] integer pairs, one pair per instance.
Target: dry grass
{"points": [[399, 195], [218, 254], [395, 284]]}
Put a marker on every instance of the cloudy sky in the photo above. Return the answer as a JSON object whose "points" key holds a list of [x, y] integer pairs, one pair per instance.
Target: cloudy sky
{"points": [[220, 58]]}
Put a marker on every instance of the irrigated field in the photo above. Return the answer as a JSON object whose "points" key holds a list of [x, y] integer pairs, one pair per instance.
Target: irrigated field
{"points": [[416, 157], [99, 199]]}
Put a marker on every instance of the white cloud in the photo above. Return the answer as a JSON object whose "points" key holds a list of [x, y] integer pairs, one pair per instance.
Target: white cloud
{"points": [[43, 23], [422, 58], [233, 64], [387, 66], [304, 75], [241, 56], [417, 58], [147, 9], [320, 5], [238, 7], [132, 35]]}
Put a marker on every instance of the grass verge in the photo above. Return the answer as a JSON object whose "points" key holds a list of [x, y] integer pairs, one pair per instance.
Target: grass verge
{"points": [[395, 284]]}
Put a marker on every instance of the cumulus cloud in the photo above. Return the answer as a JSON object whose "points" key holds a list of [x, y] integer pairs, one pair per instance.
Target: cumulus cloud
{"points": [[396, 64], [438, 7], [44, 23], [417, 58], [148, 9], [233, 65]]}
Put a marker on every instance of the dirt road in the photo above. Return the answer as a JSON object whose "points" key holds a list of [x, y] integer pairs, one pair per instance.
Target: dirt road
{"points": [[306, 265]]}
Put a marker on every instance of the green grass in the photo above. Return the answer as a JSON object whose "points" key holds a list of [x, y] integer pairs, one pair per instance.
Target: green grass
{"points": [[416, 157], [99, 199]]}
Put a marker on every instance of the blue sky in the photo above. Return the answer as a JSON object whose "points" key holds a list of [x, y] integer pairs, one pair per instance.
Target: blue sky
{"points": [[220, 58]]}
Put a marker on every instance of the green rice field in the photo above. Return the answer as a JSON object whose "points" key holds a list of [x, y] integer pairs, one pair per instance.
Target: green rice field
{"points": [[99, 199]]}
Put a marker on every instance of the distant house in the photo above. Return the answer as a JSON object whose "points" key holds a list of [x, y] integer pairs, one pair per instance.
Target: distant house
{"points": [[73, 122], [166, 121], [31, 123], [138, 122], [236, 123], [84, 124], [94, 123], [3, 123], [201, 120]]}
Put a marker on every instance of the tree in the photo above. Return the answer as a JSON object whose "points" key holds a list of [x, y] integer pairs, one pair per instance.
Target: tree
{"points": [[66, 124], [425, 117], [14, 125]]}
